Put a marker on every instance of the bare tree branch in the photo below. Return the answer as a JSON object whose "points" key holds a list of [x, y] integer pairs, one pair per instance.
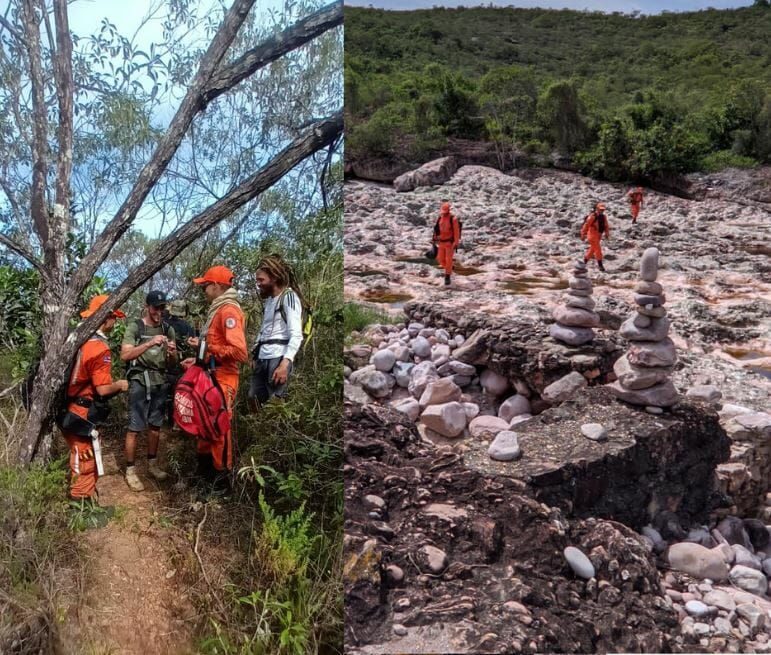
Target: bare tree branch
{"points": [[40, 122], [191, 105], [275, 47], [22, 251], [12, 30], [64, 93], [321, 135]]}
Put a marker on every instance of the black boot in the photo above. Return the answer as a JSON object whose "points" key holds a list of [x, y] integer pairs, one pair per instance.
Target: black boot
{"points": [[601, 265], [206, 470], [446, 280]]}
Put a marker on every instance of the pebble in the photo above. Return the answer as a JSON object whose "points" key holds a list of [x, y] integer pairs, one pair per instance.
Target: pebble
{"points": [[505, 447], [649, 265], [595, 432], [579, 562], [698, 609], [399, 629], [436, 559], [394, 574], [654, 410]]}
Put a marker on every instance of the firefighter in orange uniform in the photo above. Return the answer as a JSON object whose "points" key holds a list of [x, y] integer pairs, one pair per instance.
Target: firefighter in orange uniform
{"points": [[446, 237], [91, 376], [635, 202], [594, 227], [225, 340]]}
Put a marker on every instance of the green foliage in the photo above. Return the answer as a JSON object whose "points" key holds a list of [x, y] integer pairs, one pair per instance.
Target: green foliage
{"points": [[717, 161], [625, 95], [33, 529], [356, 317]]}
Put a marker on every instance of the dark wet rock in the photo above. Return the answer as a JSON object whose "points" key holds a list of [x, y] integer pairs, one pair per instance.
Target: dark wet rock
{"points": [[500, 543], [647, 464], [516, 348], [758, 533], [733, 530]]}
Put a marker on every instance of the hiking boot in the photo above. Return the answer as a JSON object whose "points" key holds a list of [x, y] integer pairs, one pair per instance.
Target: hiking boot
{"points": [[446, 280], [601, 265], [156, 471], [132, 480]]}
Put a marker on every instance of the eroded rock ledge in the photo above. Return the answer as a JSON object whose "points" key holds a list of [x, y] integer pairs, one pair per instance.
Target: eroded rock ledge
{"points": [[459, 561]]}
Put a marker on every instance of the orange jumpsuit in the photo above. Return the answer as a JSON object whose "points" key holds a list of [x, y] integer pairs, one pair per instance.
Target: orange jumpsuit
{"points": [[226, 341], [591, 232], [635, 202], [92, 369], [447, 240]]}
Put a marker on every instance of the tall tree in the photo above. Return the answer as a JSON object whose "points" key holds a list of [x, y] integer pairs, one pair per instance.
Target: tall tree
{"points": [[41, 102]]}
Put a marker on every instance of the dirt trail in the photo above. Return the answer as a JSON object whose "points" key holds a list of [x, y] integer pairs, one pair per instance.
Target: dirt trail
{"points": [[132, 601]]}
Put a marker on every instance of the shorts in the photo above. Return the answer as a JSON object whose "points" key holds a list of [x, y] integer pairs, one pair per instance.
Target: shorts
{"points": [[145, 413], [261, 386]]}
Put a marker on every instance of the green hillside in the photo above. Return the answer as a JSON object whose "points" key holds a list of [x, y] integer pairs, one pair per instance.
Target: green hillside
{"points": [[623, 96]]}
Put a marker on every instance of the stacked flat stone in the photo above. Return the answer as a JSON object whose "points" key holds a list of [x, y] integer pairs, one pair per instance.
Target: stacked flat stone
{"points": [[645, 371], [576, 318]]}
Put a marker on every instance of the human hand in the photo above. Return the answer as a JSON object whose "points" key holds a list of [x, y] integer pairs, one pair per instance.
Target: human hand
{"points": [[122, 385], [158, 340], [187, 363], [171, 347], [193, 342], [281, 374]]}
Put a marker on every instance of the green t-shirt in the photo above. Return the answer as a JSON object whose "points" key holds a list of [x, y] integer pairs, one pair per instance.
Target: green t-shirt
{"points": [[152, 360]]}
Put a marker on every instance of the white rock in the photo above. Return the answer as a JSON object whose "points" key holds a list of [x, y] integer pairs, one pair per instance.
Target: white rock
{"points": [[649, 264], [436, 559], [698, 609], [490, 425], [505, 447], [384, 360], [595, 432], [698, 561], [749, 580], [579, 562], [401, 372], [471, 409], [493, 384], [420, 376], [420, 347], [449, 420], [513, 406], [564, 388], [408, 406], [440, 392]]}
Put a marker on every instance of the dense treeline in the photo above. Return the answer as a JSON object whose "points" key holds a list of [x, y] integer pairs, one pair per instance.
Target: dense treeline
{"points": [[623, 96]]}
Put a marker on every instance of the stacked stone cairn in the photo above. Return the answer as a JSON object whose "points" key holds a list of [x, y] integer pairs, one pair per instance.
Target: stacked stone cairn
{"points": [[576, 318], [644, 373]]}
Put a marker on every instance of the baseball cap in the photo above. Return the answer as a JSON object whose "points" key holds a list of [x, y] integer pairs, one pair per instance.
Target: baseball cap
{"points": [[445, 208], [96, 303], [216, 275], [178, 308], [156, 298]]}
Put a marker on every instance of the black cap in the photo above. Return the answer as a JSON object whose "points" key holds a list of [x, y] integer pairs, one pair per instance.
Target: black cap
{"points": [[156, 298]]}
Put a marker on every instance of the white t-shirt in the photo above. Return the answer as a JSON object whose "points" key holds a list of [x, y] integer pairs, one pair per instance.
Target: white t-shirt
{"points": [[273, 327]]}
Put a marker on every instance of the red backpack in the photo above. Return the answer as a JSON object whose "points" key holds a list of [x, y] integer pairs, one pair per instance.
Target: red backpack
{"points": [[199, 404]]}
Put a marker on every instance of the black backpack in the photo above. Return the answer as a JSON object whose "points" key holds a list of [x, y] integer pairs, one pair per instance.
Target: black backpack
{"points": [[460, 226], [600, 221], [98, 408]]}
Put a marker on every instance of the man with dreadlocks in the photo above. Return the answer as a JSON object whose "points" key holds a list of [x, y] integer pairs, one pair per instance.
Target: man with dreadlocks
{"points": [[225, 341], [280, 334]]}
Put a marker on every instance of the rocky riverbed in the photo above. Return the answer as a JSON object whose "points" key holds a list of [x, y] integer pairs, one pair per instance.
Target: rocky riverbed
{"points": [[520, 239], [544, 458]]}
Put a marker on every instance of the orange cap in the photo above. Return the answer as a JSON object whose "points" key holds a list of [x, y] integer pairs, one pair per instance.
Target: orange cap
{"points": [[96, 303], [216, 275], [446, 208], [599, 207]]}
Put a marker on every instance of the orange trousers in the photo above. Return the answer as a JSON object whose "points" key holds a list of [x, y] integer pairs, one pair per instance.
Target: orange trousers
{"points": [[444, 256], [82, 467], [635, 209], [595, 250], [222, 449]]}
